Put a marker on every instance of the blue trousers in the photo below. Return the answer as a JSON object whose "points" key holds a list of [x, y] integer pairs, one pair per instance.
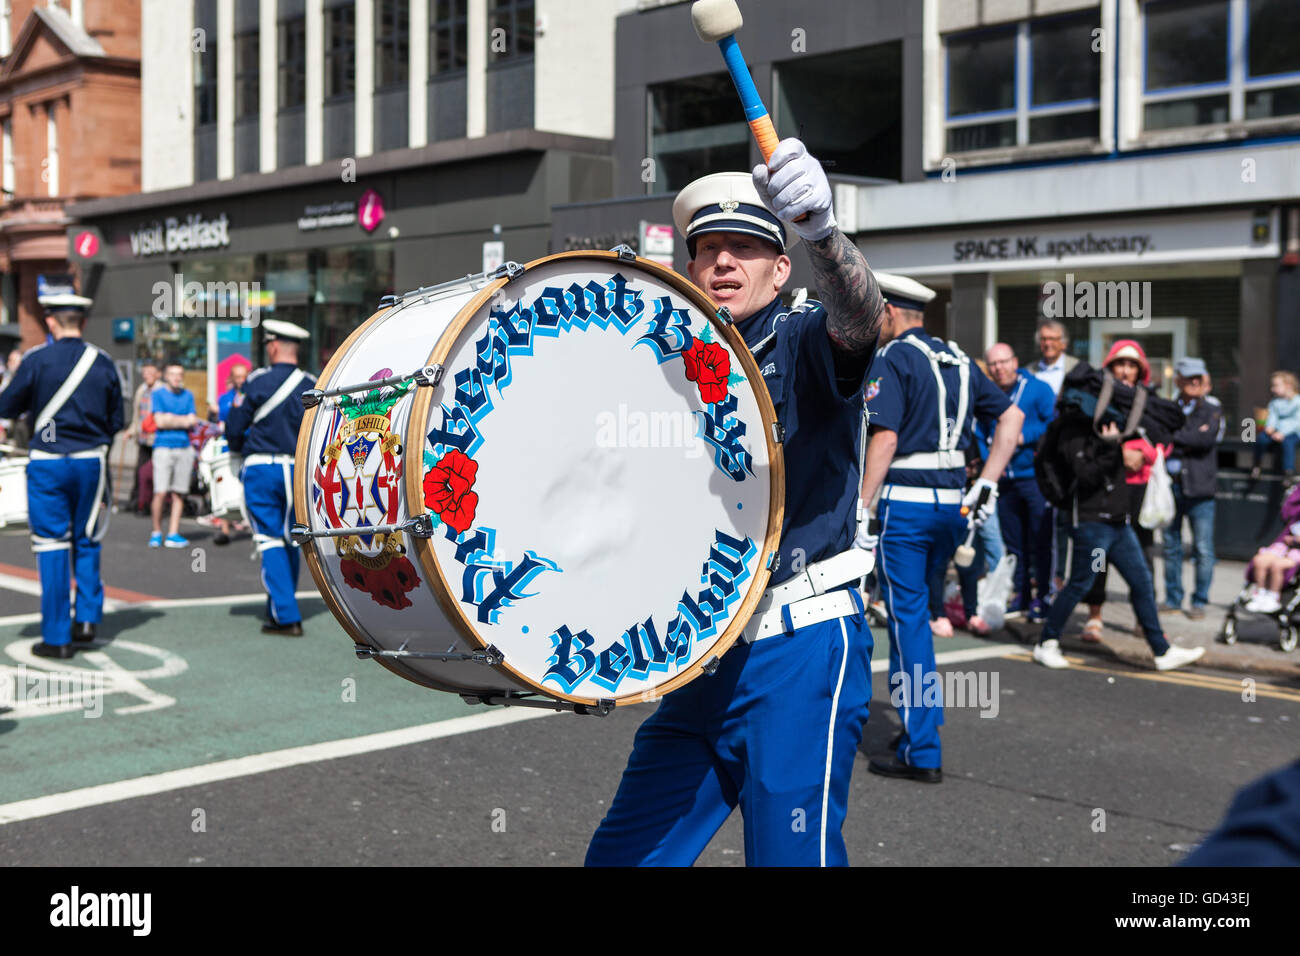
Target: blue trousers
{"points": [[915, 541], [1096, 546], [1027, 531], [1287, 447], [268, 501], [774, 731], [1200, 513], [67, 511]]}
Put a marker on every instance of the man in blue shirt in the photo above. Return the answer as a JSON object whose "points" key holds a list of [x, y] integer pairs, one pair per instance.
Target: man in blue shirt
{"points": [[74, 391], [263, 426], [775, 729], [921, 399], [1023, 512], [173, 457]]}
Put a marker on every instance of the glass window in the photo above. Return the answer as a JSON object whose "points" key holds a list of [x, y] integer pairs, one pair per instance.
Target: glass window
{"points": [[1274, 37], [510, 29], [292, 39], [1265, 104], [448, 36], [205, 84], [696, 127], [340, 45], [847, 107], [392, 42], [246, 82], [1195, 111], [1053, 60], [1064, 67], [1186, 43], [982, 72]]}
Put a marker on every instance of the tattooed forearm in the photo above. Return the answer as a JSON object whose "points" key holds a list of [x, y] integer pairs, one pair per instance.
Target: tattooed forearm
{"points": [[854, 308]]}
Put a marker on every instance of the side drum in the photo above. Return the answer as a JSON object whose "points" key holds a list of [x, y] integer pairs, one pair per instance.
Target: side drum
{"points": [[559, 485]]}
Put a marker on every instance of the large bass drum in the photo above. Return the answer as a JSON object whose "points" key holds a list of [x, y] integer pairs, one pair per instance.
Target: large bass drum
{"points": [[560, 484]]}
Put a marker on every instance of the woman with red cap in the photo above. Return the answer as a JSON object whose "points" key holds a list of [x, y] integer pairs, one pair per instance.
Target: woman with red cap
{"points": [[1127, 361]]}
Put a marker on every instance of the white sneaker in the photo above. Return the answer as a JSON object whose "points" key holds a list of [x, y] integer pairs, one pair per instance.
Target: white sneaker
{"points": [[1178, 656], [1049, 654], [1265, 602]]}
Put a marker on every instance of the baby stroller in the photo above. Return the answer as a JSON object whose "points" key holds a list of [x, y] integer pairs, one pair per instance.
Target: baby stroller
{"points": [[1287, 612]]}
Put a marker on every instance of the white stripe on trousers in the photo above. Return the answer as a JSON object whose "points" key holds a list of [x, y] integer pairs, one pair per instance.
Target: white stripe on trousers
{"points": [[830, 737], [893, 633]]}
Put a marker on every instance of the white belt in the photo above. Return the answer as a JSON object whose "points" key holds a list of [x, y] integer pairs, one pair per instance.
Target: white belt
{"points": [[925, 496], [931, 460], [269, 460], [38, 455], [804, 596], [811, 610]]}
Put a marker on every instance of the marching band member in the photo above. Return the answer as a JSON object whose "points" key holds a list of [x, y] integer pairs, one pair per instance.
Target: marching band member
{"points": [[922, 397], [74, 390], [263, 425], [776, 727]]}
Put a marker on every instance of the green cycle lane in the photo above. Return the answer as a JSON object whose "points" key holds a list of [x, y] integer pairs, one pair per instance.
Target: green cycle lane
{"points": [[190, 686], [187, 686]]}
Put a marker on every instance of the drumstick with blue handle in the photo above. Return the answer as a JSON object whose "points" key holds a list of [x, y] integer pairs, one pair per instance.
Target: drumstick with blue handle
{"points": [[716, 21]]}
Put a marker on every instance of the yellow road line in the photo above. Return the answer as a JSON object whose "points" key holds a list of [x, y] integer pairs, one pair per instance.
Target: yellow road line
{"points": [[1204, 681]]}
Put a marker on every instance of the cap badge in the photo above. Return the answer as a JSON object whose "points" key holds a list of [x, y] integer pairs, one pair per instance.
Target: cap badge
{"points": [[729, 205]]}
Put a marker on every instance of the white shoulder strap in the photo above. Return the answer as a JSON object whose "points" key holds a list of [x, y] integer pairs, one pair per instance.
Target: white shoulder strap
{"points": [[278, 397], [947, 441], [60, 398]]}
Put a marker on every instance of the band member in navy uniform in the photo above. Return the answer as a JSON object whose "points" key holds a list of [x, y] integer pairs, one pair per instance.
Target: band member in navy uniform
{"points": [[922, 398], [75, 393], [776, 728], [263, 426]]}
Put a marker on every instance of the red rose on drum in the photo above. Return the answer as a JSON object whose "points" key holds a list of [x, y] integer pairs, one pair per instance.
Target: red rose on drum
{"points": [[447, 490], [708, 365], [387, 585]]}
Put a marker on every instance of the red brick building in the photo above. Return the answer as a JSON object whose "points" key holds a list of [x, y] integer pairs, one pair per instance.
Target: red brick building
{"points": [[69, 130]]}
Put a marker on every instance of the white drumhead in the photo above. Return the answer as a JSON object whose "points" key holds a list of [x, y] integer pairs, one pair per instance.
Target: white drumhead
{"points": [[607, 497]]}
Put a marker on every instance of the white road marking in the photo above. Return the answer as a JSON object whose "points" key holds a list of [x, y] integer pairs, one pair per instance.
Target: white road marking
{"points": [[957, 657], [257, 763], [112, 606]]}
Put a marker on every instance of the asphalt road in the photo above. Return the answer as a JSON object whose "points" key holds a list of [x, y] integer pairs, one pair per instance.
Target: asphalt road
{"points": [[1104, 764]]}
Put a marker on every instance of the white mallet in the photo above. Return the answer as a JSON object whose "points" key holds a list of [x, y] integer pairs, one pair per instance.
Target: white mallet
{"points": [[717, 21]]}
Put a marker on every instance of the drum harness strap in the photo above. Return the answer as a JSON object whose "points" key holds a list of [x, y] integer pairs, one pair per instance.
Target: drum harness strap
{"points": [[947, 455], [60, 398], [281, 394]]}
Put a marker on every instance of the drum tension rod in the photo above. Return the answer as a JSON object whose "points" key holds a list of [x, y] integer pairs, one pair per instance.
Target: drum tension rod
{"points": [[509, 269], [428, 376], [418, 526], [778, 433], [491, 657], [624, 251], [724, 316], [600, 709]]}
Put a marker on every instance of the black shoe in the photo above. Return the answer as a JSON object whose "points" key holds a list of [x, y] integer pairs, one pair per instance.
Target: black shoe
{"points": [[61, 651], [896, 742], [284, 630], [893, 767], [221, 539], [83, 633]]}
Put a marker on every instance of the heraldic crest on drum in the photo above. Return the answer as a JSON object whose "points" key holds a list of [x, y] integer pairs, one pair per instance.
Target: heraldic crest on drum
{"points": [[357, 484]]}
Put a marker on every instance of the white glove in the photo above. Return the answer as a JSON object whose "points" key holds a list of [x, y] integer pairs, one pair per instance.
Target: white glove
{"points": [[793, 183], [864, 538], [983, 511]]}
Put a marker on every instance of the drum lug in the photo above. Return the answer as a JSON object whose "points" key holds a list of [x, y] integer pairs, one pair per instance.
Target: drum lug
{"points": [[624, 252], [710, 666], [490, 655], [386, 301], [778, 433], [312, 397], [430, 375], [724, 316], [507, 270], [771, 559], [599, 709]]}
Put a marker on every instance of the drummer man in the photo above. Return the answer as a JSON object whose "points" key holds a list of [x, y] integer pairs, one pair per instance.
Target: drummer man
{"points": [[74, 390], [922, 398], [776, 727], [263, 425]]}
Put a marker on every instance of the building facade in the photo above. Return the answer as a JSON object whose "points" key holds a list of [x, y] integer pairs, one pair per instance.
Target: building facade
{"points": [[330, 153], [69, 130]]}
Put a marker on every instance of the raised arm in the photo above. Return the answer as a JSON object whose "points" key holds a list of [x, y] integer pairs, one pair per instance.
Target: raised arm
{"points": [[854, 307]]}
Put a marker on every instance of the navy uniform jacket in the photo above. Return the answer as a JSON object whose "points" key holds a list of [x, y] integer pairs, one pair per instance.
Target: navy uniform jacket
{"points": [[822, 415], [277, 433], [903, 397], [88, 419]]}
